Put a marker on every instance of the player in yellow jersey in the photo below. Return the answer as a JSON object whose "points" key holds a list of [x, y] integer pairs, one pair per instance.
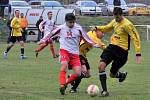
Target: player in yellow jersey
{"points": [[16, 35], [117, 51], [84, 49]]}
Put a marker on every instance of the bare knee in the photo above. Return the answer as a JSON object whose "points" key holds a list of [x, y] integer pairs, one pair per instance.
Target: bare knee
{"points": [[77, 71], [63, 66], [102, 66], [21, 43]]}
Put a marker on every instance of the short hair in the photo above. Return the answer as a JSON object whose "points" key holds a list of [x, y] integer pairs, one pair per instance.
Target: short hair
{"points": [[49, 12], [117, 11], [70, 17], [16, 11]]}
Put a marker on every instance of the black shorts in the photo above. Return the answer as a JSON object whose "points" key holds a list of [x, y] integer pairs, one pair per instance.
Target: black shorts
{"points": [[84, 61], [116, 55], [13, 39]]}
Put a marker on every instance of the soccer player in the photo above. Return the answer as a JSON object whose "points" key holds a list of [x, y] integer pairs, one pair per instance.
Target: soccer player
{"points": [[24, 25], [70, 34], [84, 49], [16, 35], [47, 26], [117, 51]]}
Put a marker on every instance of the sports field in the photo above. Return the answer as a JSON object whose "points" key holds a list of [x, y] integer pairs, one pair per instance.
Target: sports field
{"points": [[37, 79]]}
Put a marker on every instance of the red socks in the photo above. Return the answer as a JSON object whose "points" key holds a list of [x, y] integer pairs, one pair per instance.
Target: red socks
{"points": [[41, 47], [62, 77], [71, 78]]}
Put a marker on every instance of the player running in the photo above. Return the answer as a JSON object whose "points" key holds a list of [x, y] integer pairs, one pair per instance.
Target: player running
{"points": [[117, 51], [16, 35], [70, 34], [84, 49], [47, 26]]}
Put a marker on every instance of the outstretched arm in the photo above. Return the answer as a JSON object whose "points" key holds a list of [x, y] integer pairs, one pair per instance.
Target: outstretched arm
{"points": [[105, 28]]}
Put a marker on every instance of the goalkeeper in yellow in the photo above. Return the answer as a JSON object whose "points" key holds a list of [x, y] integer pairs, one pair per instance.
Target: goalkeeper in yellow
{"points": [[95, 36], [117, 51]]}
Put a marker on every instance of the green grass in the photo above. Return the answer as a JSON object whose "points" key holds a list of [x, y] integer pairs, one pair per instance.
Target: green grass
{"points": [[37, 79]]}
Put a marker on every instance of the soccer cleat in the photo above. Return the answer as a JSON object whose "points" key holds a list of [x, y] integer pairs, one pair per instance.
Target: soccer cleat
{"points": [[56, 56], [5, 55], [23, 57], [73, 90], [123, 76], [62, 89], [104, 93]]}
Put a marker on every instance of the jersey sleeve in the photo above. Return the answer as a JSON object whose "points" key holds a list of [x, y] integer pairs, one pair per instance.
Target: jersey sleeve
{"points": [[135, 36], [14, 23], [86, 38], [50, 35], [41, 25], [106, 28]]}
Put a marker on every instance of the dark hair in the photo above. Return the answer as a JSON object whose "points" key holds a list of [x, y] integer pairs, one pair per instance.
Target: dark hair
{"points": [[70, 16], [16, 11], [117, 11], [49, 12]]}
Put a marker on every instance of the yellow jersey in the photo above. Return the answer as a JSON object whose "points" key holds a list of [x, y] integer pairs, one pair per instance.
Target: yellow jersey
{"points": [[85, 47], [16, 27], [124, 32]]}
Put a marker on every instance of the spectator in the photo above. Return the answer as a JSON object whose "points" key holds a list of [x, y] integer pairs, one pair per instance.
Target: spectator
{"points": [[24, 25], [40, 35]]}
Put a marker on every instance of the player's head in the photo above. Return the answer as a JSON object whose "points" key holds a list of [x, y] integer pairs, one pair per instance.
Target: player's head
{"points": [[41, 17], [22, 15], [70, 19], [17, 13], [50, 14], [118, 14]]}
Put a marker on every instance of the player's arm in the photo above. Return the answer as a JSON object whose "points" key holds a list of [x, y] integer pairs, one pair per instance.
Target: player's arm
{"points": [[50, 35], [14, 24], [105, 28], [135, 36], [87, 39], [41, 26]]}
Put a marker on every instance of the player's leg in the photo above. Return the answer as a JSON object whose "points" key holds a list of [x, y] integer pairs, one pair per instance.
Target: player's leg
{"points": [[106, 58], [64, 59], [40, 48], [62, 77], [85, 68], [76, 66], [52, 49], [20, 40], [117, 64], [9, 46]]}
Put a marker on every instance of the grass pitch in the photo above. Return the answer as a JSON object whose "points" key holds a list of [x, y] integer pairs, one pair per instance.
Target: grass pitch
{"points": [[37, 79]]}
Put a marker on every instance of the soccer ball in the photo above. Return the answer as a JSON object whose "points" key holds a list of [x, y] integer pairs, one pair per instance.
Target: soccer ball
{"points": [[93, 90]]}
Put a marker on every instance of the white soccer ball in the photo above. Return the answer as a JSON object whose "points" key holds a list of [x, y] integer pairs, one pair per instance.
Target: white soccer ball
{"points": [[93, 90]]}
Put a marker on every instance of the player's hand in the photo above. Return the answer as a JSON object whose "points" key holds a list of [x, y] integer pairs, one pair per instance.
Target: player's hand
{"points": [[96, 45], [93, 28], [138, 59]]}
